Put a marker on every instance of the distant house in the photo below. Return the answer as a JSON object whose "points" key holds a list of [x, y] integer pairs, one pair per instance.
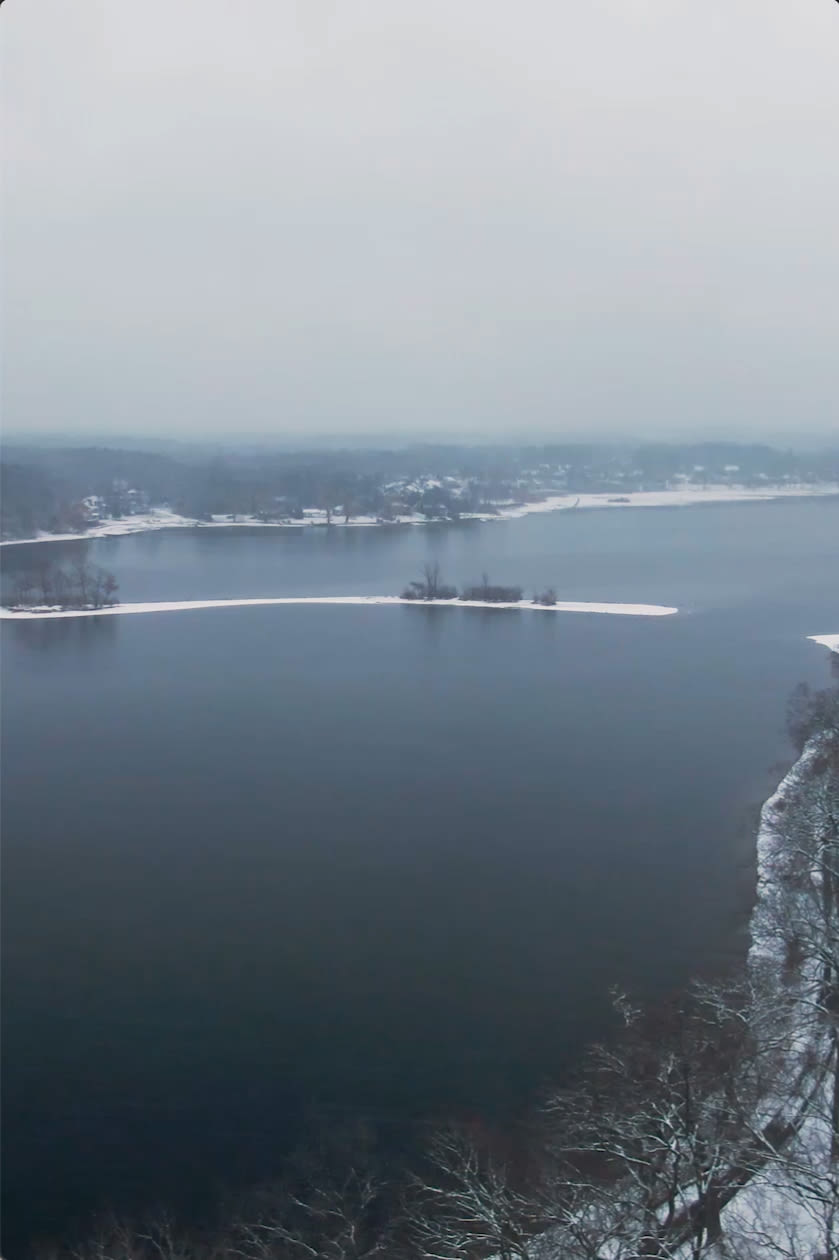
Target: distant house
{"points": [[93, 508]]}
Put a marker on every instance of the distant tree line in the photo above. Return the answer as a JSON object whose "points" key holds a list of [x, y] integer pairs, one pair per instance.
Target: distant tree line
{"points": [[76, 585], [43, 488], [431, 587]]}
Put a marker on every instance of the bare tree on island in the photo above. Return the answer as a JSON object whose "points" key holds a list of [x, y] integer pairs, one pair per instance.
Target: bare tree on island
{"points": [[432, 580], [486, 592], [23, 590], [80, 586], [431, 586], [81, 580]]}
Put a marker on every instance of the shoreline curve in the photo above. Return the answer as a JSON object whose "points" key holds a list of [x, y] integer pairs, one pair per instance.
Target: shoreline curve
{"points": [[162, 518]]}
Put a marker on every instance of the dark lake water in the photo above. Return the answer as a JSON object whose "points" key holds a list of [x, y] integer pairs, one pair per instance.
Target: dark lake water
{"points": [[265, 861]]}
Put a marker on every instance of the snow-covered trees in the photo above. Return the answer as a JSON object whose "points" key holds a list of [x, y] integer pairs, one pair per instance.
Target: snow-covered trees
{"points": [[799, 913], [465, 1203], [668, 1123], [333, 1217], [335, 1201]]}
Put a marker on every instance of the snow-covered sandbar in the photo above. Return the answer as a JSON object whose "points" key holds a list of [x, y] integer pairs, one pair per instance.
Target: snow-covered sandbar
{"points": [[184, 605], [827, 640]]}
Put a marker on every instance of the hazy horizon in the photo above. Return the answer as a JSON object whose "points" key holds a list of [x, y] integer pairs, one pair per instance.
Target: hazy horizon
{"points": [[463, 223], [383, 440]]}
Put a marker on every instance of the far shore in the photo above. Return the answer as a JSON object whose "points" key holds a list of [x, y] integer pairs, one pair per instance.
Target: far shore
{"points": [[689, 496], [185, 605]]}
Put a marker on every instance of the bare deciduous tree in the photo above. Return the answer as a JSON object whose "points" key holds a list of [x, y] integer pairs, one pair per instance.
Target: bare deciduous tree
{"points": [[331, 1219], [333, 1203], [670, 1122], [431, 573], [82, 585], [115, 1239], [430, 586], [466, 1205]]}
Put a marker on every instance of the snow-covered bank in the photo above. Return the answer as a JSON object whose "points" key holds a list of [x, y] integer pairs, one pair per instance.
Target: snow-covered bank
{"points": [[770, 844], [827, 640], [689, 496], [787, 1208], [157, 518], [163, 518], [184, 605]]}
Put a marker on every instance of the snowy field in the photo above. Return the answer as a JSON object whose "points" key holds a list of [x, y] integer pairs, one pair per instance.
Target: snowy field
{"points": [[690, 496], [184, 605]]}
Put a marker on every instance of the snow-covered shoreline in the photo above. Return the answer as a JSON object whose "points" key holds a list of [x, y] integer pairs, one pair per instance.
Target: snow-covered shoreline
{"points": [[770, 840], [185, 605], [688, 496], [781, 1201], [163, 518]]}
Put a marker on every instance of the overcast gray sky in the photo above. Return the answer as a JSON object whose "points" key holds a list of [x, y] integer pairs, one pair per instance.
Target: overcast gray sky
{"points": [[463, 217]]}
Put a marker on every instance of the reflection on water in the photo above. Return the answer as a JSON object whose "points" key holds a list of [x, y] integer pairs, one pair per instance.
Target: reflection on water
{"points": [[84, 633]]}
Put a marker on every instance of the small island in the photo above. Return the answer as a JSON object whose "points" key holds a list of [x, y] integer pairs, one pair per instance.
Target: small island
{"points": [[430, 588], [80, 586]]}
